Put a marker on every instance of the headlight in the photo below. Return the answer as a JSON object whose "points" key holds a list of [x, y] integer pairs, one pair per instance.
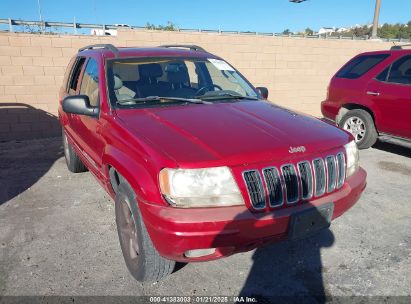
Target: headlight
{"points": [[211, 187], [352, 157]]}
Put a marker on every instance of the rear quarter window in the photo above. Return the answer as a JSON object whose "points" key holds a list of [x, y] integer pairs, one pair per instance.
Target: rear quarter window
{"points": [[360, 65]]}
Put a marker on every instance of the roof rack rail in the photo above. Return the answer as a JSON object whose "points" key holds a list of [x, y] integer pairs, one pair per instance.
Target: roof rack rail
{"points": [[107, 46], [399, 47], [185, 46]]}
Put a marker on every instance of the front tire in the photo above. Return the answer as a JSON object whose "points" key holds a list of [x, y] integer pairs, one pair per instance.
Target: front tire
{"points": [[74, 163], [142, 259], [361, 125]]}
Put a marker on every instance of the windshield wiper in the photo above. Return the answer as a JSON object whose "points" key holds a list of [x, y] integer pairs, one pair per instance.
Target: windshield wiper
{"points": [[147, 99], [225, 95]]}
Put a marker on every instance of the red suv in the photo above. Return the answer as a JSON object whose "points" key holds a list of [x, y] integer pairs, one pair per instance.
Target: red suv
{"points": [[199, 164], [371, 96]]}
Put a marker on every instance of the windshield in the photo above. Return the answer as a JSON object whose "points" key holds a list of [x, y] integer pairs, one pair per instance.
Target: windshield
{"points": [[159, 81]]}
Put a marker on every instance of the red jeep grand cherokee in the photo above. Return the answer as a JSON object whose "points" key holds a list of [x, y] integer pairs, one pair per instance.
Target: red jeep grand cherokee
{"points": [[199, 164], [371, 96]]}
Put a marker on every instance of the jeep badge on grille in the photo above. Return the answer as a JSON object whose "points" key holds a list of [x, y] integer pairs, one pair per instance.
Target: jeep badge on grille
{"points": [[297, 149]]}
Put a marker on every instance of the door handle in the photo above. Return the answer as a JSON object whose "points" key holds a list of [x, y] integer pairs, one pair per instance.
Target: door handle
{"points": [[373, 93]]}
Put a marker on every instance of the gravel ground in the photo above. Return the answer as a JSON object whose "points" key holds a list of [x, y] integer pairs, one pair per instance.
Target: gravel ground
{"points": [[58, 237]]}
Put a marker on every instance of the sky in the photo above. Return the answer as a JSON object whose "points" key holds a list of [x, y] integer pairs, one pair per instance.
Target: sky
{"points": [[239, 15]]}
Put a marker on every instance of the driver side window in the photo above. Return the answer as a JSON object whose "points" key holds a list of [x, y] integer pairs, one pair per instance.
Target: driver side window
{"points": [[89, 83], [229, 80]]}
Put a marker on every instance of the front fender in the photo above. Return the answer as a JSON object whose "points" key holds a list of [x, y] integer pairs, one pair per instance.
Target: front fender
{"points": [[137, 171]]}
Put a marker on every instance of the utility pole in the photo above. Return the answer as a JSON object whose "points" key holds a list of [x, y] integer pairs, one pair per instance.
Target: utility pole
{"points": [[376, 17], [42, 25], [39, 8]]}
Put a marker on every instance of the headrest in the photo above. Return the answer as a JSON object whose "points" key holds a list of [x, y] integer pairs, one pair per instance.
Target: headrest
{"points": [[118, 83], [150, 70], [177, 73], [407, 72]]}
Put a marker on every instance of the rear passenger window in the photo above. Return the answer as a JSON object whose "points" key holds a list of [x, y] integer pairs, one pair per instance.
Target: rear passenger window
{"points": [[401, 71], [89, 84], [383, 75], [75, 75], [360, 65], [67, 74]]}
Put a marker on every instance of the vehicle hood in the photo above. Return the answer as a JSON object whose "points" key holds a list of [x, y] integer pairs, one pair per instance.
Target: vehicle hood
{"points": [[242, 132]]}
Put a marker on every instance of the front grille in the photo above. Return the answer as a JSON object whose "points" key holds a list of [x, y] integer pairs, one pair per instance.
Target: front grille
{"points": [[290, 184], [340, 169], [331, 173], [319, 176], [255, 188], [274, 188], [306, 176]]}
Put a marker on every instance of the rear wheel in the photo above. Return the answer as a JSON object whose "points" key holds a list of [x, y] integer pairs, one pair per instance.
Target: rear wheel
{"points": [[74, 163], [361, 125], [142, 259]]}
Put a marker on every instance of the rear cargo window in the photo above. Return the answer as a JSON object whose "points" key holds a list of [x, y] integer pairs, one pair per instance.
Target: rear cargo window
{"points": [[360, 65], [401, 71]]}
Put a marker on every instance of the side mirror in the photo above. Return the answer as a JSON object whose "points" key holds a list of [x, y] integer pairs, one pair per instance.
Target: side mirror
{"points": [[79, 104], [263, 92]]}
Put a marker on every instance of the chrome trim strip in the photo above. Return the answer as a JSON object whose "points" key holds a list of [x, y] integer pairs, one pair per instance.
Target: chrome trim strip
{"points": [[315, 178], [339, 185], [268, 191], [335, 168], [311, 191], [285, 186], [261, 189]]}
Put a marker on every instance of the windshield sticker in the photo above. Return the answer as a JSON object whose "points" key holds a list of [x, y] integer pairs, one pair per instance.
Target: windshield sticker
{"points": [[221, 64]]}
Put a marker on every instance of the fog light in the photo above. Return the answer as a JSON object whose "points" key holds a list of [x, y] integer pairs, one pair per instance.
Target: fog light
{"points": [[196, 253]]}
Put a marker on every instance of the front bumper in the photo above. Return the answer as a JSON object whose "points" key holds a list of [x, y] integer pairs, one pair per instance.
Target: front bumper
{"points": [[173, 231]]}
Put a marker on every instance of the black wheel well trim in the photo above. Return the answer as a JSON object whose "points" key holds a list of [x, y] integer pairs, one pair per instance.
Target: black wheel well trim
{"points": [[115, 178], [355, 106]]}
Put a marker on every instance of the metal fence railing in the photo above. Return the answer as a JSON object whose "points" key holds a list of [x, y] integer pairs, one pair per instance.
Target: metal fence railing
{"points": [[51, 27]]}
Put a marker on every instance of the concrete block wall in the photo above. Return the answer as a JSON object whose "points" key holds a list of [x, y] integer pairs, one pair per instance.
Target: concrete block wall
{"points": [[295, 70]]}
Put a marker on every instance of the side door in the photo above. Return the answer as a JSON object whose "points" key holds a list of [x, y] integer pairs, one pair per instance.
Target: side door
{"points": [[73, 88], [391, 94], [88, 128]]}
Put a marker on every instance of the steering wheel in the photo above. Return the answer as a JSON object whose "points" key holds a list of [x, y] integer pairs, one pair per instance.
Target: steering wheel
{"points": [[206, 89]]}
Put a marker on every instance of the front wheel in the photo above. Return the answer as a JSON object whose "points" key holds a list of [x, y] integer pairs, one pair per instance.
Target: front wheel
{"points": [[142, 259], [74, 163], [361, 125]]}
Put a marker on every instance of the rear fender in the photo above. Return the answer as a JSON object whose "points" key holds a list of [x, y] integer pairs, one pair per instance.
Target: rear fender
{"points": [[354, 105]]}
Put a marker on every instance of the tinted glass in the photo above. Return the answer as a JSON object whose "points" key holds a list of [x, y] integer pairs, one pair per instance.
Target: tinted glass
{"points": [[383, 75], [360, 65], [89, 84], [401, 71], [76, 74], [66, 83]]}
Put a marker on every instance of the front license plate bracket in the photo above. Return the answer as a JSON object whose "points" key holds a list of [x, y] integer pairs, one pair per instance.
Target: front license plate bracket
{"points": [[308, 222]]}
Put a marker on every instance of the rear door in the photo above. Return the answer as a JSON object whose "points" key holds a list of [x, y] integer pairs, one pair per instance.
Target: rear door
{"points": [[390, 92]]}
